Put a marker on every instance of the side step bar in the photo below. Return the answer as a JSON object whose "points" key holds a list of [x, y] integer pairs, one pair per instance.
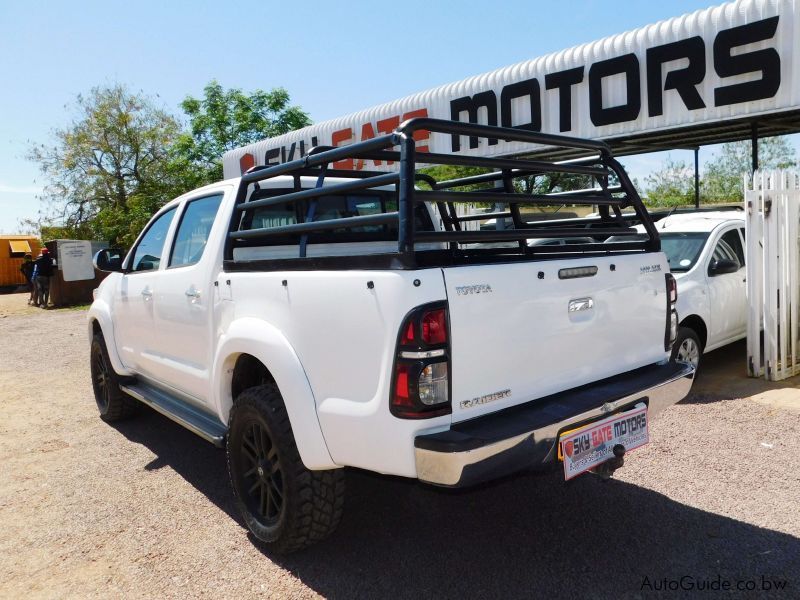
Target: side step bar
{"points": [[205, 425]]}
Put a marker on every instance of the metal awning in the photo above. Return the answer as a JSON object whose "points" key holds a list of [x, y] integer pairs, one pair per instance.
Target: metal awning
{"points": [[20, 246]]}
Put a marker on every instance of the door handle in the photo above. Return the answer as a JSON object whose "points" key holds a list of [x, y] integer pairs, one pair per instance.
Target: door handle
{"points": [[192, 293], [147, 293]]}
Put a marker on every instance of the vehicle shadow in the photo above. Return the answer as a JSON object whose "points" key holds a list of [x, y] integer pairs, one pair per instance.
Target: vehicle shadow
{"points": [[525, 536], [723, 376], [198, 462]]}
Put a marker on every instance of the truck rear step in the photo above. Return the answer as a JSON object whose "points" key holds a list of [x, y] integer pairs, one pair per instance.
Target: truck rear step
{"points": [[205, 425]]}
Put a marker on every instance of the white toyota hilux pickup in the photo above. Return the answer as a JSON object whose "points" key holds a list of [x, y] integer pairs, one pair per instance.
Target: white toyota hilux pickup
{"points": [[309, 318]]}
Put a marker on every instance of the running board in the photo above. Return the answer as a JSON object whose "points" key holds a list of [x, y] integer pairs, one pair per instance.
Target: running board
{"points": [[203, 424]]}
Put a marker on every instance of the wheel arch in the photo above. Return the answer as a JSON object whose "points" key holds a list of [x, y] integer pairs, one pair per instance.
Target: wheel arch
{"points": [[696, 324], [99, 321], [253, 352]]}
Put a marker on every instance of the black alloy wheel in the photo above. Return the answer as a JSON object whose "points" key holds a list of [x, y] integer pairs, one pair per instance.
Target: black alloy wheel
{"points": [[263, 477], [100, 381]]}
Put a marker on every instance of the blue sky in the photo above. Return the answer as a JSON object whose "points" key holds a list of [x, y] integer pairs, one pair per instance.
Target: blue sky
{"points": [[334, 58]]}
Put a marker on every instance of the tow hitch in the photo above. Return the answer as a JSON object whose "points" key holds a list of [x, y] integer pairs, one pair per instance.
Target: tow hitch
{"points": [[606, 470]]}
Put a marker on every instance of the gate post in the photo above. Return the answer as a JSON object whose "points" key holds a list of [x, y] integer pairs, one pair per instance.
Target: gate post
{"points": [[772, 226]]}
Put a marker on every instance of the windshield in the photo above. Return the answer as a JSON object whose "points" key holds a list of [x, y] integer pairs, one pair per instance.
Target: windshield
{"points": [[682, 249]]}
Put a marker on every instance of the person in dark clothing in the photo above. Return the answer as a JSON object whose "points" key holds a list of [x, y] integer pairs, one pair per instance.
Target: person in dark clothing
{"points": [[27, 271], [42, 271]]}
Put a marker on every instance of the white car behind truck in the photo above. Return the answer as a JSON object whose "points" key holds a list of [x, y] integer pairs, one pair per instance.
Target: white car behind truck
{"points": [[309, 319], [705, 251]]}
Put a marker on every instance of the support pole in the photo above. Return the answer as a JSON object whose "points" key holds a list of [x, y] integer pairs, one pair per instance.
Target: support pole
{"points": [[754, 145], [406, 195], [697, 177]]}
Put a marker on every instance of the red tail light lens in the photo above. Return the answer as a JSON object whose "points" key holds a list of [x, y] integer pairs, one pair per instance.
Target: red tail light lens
{"points": [[434, 327], [407, 339], [402, 395]]}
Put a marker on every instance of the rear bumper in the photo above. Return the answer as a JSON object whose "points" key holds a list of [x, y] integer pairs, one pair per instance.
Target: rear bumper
{"points": [[525, 436]]}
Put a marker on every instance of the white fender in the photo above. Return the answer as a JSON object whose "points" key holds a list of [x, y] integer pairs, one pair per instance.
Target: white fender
{"points": [[266, 343], [100, 311]]}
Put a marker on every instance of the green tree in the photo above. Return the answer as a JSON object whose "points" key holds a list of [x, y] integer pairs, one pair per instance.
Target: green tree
{"points": [[447, 172], [110, 168], [671, 185], [723, 176], [223, 120]]}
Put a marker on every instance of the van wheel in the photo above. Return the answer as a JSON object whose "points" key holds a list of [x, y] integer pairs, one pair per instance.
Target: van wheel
{"points": [[283, 504], [687, 347], [112, 402]]}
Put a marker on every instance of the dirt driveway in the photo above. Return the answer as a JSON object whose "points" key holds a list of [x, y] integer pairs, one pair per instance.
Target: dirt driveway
{"points": [[144, 509]]}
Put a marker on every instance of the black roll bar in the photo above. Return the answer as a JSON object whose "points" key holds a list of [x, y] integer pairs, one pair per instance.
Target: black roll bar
{"points": [[400, 147]]}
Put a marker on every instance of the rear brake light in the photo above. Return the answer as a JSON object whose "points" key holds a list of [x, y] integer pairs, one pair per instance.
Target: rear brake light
{"points": [[434, 327], [672, 288], [671, 332], [408, 335], [402, 396], [421, 378]]}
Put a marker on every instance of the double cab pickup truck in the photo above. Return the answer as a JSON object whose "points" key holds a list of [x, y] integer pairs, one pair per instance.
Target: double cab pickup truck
{"points": [[309, 318]]}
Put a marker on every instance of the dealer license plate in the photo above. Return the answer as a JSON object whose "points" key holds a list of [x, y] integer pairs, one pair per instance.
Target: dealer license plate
{"points": [[584, 448]]}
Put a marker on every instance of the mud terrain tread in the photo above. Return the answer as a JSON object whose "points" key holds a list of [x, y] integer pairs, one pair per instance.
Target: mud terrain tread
{"points": [[314, 499]]}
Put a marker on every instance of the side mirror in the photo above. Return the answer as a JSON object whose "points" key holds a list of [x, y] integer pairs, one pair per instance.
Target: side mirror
{"points": [[723, 266], [109, 260]]}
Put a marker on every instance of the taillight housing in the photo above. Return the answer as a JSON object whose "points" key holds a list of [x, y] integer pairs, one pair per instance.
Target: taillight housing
{"points": [[671, 332], [421, 373]]}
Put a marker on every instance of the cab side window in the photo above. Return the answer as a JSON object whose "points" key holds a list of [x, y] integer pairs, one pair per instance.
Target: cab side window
{"points": [[193, 230], [147, 256]]}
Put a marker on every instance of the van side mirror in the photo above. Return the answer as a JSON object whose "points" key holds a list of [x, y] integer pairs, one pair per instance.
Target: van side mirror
{"points": [[723, 266], [109, 260]]}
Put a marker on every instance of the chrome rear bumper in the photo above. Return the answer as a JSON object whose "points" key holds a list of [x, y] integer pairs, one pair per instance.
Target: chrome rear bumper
{"points": [[526, 436]]}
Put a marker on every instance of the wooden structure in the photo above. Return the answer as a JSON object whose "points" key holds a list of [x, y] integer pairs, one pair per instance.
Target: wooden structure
{"points": [[66, 293], [13, 249]]}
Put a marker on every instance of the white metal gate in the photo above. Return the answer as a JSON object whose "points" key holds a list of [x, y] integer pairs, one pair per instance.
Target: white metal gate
{"points": [[772, 201]]}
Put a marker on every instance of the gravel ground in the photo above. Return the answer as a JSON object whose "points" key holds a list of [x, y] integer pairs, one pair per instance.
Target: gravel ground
{"points": [[144, 509]]}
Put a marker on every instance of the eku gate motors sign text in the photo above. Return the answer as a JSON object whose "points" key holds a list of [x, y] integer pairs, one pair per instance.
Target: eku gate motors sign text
{"points": [[730, 62]]}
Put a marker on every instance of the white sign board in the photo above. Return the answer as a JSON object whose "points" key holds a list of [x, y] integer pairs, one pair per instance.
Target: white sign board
{"points": [[734, 61], [75, 260]]}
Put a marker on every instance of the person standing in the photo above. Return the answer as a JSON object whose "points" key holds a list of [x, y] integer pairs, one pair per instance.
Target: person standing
{"points": [[27, 271], [42, 271]]}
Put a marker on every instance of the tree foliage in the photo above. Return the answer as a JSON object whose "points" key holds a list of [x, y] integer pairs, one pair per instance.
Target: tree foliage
{"points": [[122, 157], [723, 176], [671, 185], [110, 168], [223, 120]]}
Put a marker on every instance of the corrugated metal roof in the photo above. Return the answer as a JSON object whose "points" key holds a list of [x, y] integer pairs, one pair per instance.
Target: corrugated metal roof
{"points": [[618, 74]]}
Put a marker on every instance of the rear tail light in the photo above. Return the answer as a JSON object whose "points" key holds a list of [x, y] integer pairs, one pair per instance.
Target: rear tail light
{"points": [[421, 378], [672, 288], [671, 332], [434, 327]]}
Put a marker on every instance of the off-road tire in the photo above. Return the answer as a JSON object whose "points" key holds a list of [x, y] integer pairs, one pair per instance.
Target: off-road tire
{"points": [[284, 505], [112, 402]]}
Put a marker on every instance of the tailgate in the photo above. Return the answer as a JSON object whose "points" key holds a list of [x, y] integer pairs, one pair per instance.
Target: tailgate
{"points": [[521, 331]]}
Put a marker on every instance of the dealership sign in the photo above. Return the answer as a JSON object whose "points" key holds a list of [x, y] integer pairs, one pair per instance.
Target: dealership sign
{"points": [[729, 62]]}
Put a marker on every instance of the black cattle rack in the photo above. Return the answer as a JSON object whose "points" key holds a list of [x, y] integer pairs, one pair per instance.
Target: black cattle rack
{"points": [[511, 236]]}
